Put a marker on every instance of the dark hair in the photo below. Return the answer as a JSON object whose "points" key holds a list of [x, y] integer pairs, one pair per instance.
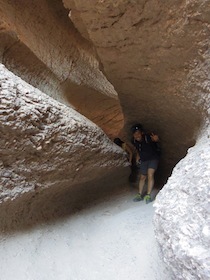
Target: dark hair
{"points": [[118, 142], [136, 127]]}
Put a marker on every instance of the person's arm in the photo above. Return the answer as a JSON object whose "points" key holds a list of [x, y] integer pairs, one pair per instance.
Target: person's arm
{"points": [[137, 157], [154, 137], [129, 151], [156, 142]]}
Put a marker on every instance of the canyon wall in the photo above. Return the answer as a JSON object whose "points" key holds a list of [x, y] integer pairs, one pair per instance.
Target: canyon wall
{"points": [[182, 215], [151, 55], [117, 63], [40, 44], [46, 146], [156, 54]]}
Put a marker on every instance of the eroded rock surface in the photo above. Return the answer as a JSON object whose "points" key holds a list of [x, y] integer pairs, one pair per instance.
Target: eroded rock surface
{"points": [[40, 44], [182, 216], [45, 144], [156, 54]]}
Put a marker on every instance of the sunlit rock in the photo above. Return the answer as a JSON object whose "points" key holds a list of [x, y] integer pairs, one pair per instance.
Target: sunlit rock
{"points": [[182, 216]]}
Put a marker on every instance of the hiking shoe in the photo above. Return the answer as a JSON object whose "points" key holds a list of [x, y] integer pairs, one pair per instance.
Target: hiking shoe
{"points": [[148, 198], [138, 197]]}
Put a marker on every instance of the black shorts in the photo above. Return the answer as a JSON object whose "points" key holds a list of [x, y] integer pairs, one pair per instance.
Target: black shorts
{"points": [[145, 165]]}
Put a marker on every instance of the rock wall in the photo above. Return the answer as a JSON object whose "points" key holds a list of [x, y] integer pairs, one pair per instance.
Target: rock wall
{"points": [[46, 145], [182, 218], [150, 51], [40, 44], [155, 56]]}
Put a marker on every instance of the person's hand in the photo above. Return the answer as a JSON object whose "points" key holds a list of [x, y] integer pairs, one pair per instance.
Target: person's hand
{"points": [[138, 164], [154, 137]]}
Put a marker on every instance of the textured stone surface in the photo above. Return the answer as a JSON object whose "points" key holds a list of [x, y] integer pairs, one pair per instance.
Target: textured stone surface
{"points": [[182, 216], [156, 56], [41, 45], [46, 144]]}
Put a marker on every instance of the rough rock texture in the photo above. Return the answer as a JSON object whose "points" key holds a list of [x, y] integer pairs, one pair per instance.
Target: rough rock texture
{"points": [[155, 56], [153, 53], [41, 45], [182, 216], [150, 51], [45, 144]]}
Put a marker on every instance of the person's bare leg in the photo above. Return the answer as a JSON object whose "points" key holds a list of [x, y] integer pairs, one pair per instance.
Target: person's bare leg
{"points": [[151, 180], [141, 183]]}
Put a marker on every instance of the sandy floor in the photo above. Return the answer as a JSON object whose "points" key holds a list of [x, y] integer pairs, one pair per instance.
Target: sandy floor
{"points": [[111, 240]]}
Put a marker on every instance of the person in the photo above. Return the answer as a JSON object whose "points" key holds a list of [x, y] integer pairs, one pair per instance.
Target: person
{"points": [[125, 147], [147, 146]]}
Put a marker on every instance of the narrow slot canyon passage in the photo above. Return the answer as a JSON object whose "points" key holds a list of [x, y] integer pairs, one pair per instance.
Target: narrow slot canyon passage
{"points": [[113, 238], [42, 221], [74, 75]]}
